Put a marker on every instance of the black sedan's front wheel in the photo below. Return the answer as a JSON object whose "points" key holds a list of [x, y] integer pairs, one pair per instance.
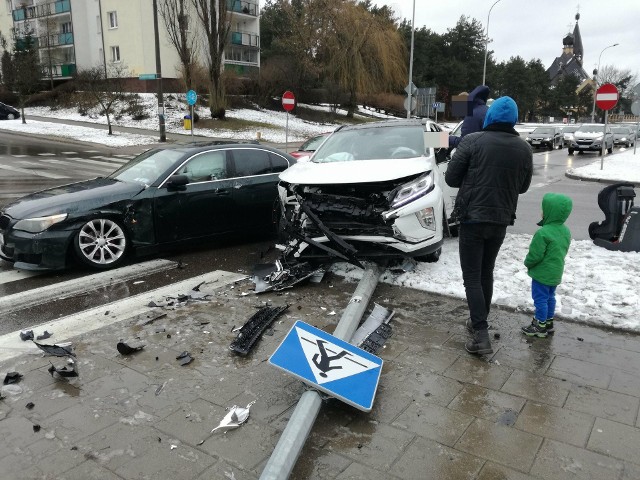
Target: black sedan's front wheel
{"points": [[101, 243]]}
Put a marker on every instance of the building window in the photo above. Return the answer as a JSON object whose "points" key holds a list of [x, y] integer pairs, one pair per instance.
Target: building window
{"points": [[115, 54], [67, 27], [113, 19]]}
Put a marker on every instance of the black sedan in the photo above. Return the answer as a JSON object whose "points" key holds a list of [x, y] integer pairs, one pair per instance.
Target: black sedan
{"points": [[160, 199], [7, 112], [547, 137]]}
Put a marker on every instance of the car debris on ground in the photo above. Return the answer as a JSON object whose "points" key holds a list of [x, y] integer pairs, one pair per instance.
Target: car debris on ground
{"points": [[185, 358], [64, 372], [282, 275], [57, 350], [375, 330], [12, 377], [251, 331], [235, 417], [126, 349]]}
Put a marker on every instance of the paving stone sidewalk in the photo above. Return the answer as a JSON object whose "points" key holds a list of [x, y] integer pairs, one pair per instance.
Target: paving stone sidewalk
{"points": [[559, 408]]}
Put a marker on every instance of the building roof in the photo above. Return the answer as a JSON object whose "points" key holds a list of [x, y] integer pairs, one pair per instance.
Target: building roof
{"points": [[570, 62]]}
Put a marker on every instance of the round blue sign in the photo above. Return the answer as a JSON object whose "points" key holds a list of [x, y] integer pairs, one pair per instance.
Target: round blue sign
{"points": [[192, 96]]}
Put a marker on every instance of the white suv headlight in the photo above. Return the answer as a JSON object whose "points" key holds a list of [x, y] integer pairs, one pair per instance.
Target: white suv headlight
{"points": [[39, 224], [413, 190]]}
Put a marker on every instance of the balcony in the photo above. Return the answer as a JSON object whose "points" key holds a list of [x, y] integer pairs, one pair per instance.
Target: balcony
{"points": [[56, 40], [245, 38], [42, 10], [240, 55], [242, 6], [65, 70]]}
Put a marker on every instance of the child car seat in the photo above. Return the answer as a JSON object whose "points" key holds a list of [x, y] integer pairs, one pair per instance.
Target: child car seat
{"points": [[621, 228]]}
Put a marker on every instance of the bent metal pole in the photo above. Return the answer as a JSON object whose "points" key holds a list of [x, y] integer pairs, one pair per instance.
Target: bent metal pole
{"points": [[295, 434]]}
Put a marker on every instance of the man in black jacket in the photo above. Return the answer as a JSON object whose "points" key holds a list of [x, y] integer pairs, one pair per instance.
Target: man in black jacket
{"points": [[490, 168]]}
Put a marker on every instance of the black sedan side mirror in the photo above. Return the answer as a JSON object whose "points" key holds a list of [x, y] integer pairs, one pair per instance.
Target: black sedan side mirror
{"points": [[177, 182]]}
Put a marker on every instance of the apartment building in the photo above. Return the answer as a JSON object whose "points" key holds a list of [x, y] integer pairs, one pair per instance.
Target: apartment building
{"points": [[76, 34]]}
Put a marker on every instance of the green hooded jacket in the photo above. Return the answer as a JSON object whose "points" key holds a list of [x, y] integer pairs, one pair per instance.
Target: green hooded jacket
{"points": [[550, 244]]}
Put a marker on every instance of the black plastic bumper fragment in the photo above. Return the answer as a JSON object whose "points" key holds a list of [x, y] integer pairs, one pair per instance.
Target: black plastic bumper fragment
{"points": [[252, 330], [376, 339]]}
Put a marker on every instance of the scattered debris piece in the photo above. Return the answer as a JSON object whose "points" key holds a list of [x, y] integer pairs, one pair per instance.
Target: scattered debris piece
{"points": [[64, 372], [230, 475], [405, 265], [161, 330], [74, 448], [125, 349], [44, 336], [185, 358], [174, 447], [496, 336], [580, 339], [36, 428], [250, 332], [26, 335], [61, 350], [275, 277], [151, 320], [235, 417], [12, 377], [30, 405], [332, 312], [138, 282], [161, 387], [378, 316]]}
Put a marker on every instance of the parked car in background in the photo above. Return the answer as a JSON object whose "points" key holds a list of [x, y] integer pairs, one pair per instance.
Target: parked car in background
{"points": [[307, 148], [371, 190], [623, 136], [7, 112], [631, 126], [160, 199], [567, 134], [590, 137], [546, 137]]}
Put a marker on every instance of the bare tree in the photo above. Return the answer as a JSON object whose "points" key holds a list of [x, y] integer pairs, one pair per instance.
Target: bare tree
{"points": [[25, 78], [214, 20], [175, 14], [106, 88]]}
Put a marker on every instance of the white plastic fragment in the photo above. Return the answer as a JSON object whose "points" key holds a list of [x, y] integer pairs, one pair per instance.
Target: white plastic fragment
{"points": [[235, 417], [332, 312], [174, 446]]}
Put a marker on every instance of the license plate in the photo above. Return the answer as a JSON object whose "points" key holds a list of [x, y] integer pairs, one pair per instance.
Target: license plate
{"points": [[535, 142]]}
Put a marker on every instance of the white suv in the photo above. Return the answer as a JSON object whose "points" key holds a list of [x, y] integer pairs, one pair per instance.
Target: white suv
{"points": [[370, 191]]}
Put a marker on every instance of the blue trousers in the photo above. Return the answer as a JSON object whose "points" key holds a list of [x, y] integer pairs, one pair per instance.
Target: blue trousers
{"points": [[544, 300]]}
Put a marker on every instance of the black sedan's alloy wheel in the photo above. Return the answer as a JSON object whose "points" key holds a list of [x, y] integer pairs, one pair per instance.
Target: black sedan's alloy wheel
{"points": [[101, 243]]}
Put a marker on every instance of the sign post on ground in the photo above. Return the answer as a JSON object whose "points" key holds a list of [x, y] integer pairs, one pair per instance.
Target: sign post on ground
{"points": [[606, 99], [192, 97], [288, 103]]}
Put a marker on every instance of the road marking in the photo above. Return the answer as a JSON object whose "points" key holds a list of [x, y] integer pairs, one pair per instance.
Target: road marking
{"points": [[28, 163], [91, 151], [8, 276], [111, 168], [102, 166], [111, 159], [125, 156], [67, 328], [68, 153], [19, 156], [39, 173], [70, 288], [47, 154]]}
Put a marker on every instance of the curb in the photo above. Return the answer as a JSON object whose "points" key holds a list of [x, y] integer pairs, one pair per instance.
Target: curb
{"points": [[605, 181]]}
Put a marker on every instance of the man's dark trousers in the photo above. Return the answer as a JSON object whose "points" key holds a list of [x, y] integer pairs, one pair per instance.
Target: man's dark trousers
{"points": [[479, 245]]}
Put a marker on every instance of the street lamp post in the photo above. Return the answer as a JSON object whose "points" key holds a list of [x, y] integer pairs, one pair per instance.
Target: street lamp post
{"points": [[413, 29], [595, 80], [486, 43], [163, 135]]}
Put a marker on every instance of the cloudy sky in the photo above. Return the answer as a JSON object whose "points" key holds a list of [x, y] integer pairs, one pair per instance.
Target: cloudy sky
{"points": [[534, 29]]}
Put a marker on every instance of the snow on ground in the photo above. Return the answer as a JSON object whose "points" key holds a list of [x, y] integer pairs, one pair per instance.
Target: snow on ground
{"points": [[623, 166], [599, 286]]}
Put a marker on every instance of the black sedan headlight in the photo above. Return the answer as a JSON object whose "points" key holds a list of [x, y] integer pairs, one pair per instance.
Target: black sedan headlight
{"points": [[39, 224]]}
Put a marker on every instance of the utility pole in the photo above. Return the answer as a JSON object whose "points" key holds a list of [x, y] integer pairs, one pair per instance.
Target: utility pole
{"points": [[163, 135], [486, 44]]}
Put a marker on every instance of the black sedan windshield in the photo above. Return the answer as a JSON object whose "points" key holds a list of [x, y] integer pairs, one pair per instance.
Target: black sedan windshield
{"points": [[145, 169], [544, 131]]}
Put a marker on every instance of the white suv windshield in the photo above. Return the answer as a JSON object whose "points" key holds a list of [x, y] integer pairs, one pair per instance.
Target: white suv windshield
{"points": [[376, 143]]}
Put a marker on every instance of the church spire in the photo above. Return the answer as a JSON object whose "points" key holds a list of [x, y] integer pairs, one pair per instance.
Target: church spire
{"points": [[577, 42]]}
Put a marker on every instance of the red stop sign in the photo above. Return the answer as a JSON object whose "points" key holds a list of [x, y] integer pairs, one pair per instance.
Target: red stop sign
{"points": [[607, 96], [288, 101]]}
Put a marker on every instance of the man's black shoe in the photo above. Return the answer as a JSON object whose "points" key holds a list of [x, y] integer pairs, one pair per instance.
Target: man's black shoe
{"points": [[480, 343]]}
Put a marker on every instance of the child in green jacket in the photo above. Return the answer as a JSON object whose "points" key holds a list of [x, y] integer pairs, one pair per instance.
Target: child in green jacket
{"points": [[545, 261]]}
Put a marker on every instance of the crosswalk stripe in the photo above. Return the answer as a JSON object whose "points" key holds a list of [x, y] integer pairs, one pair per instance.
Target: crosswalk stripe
{"points": [[68, 153], [125, 156], [28, 163], [47, 154], [39, 173], [111, 159], [19, 156], [91, 151], [8, 276], [18, 301], [66, 328], [107, 166], [100, 167]]}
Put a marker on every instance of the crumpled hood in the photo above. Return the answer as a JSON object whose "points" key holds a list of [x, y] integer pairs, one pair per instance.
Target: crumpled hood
{"points": [[360, 171], [556, 208]]}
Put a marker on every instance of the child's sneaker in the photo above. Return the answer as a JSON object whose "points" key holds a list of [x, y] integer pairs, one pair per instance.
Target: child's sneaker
{"points": [[549, 326], [535, 329]]}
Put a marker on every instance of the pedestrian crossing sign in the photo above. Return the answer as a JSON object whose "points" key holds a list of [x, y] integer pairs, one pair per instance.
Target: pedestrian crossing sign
{"points": [[329, 364]]}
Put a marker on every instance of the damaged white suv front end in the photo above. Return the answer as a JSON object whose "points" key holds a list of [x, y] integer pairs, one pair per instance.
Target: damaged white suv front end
{"points": [[370, 191]]}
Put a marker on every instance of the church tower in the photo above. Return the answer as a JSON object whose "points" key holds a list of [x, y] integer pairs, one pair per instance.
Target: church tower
{"points": [[578, 51], [571, 60]]}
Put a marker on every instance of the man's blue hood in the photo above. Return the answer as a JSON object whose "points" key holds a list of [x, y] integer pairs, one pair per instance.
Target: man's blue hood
{"points": [[502, 110]]}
